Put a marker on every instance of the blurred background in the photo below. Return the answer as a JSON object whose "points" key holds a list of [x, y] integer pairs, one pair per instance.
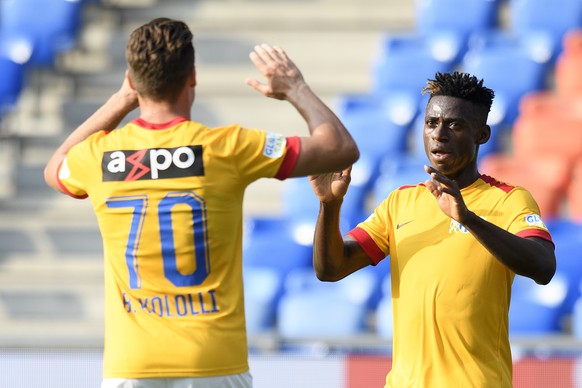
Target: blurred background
{"points": [[368, 59]]}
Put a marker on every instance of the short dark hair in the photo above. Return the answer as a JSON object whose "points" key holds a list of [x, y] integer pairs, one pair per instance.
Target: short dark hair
{"points": [[461, 85], [160, 56]]}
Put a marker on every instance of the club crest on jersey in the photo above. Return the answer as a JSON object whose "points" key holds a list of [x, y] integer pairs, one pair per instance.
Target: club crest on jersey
{"points": [[455, 227], [152, 164]]}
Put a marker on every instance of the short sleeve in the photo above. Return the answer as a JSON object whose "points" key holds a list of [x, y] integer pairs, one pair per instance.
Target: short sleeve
{"points": [[70, 174], [373, 234], [525, 220], [260, 154]]}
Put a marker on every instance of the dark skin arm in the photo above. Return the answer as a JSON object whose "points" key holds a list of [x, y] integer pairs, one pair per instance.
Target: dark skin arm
{"points": [[531, 257], [333, 256]]}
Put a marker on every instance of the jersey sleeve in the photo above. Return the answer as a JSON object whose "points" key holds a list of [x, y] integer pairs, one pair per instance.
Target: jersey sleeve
{"points": [[261, 154], [70, 173], [373, 234], [526, 220]]}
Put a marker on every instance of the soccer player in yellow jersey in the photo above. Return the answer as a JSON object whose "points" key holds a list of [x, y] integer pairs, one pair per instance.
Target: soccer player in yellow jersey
{"points": [[168, 192], [455, 243]]}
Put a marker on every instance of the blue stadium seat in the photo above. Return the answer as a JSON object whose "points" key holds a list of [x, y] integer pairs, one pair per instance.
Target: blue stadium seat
{"points": [[277, 249], [51, 26], [535, 309], [11, 73], [547, 20], [397, 171], [459, 17], [262, 288], [406, 62], [510, 71], [567, 237], [310, 308], [379, 123], [384, 315], [301, 208]]}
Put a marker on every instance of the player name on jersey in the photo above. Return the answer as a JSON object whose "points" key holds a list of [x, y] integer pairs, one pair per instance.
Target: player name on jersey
{"points": [[179, 305], [151, 164]]}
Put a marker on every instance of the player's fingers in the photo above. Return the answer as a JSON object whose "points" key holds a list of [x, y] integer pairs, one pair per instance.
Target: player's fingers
{"points": [[258, 60], [432, 187], [259, 86], [267, 53]]}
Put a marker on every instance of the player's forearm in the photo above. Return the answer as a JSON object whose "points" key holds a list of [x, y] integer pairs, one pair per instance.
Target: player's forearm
{"points": [[525, 257], [328, 246], [107, 118], [335, 146]]}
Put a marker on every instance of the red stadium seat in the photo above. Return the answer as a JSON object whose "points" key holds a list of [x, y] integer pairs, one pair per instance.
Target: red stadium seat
{"points": [[535, 135], [572, 42], [574, 194], [548, 102], [546, 177]]}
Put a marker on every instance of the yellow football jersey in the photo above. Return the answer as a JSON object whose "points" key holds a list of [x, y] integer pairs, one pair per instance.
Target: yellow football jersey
{"points": [[168, 199], [450, 295]]}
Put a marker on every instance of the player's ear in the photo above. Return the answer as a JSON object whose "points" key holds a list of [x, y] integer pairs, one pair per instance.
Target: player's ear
{"points": [[192, 77], [129, 80], [483, 134]]}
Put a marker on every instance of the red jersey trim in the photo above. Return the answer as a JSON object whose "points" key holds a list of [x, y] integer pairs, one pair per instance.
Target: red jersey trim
{"points": [[410, 186], [147, 125], [368, 245], [536, 233], [291, 157], [64, 188], [495, 183]]}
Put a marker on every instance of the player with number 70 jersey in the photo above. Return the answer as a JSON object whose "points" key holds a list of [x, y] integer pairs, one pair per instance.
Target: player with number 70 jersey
{"points": [[170, 218]]}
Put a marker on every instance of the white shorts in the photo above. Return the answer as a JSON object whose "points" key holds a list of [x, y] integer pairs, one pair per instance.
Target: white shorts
{"points": [[242, 380]]}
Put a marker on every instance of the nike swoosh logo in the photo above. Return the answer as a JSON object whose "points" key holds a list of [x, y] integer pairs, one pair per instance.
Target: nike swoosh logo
{"points": [[400, 225]]}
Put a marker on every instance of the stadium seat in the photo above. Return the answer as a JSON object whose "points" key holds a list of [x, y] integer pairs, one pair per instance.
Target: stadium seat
{"points": [[379, 122], [277, 249], [558, 135], [262, 287], [384, 315], [460, 17], [310, 308], [301, 206], [521, 73], [567, 78], [574, 194], [406, 62], [572, 42], [567, 238], [535, 309], [51, 26], [549, 103], [526, 172], [397, 171], [541, 17], [11, 76]]}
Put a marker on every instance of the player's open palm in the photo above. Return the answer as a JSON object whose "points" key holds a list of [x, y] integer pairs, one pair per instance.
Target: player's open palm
{"points": [[282, 77], [332, 186]]}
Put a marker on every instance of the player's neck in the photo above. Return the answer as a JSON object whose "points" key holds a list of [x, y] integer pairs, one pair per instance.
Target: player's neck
{"points": [[158, 113]]}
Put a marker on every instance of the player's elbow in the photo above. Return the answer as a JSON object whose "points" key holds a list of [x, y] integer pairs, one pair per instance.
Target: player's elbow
{"points": [[547, 275], [327, 273]]}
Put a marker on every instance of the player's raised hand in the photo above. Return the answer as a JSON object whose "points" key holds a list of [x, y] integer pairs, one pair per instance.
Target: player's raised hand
{"points": [[447, 193], [282, 77], [332, 186]]}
